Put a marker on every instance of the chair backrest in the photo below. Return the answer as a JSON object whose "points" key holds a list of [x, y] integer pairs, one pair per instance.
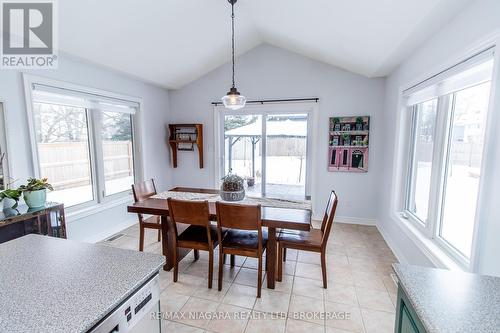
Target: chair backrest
{"points": [[143, 190], [237, 216], [189, 212], [326, 225]]}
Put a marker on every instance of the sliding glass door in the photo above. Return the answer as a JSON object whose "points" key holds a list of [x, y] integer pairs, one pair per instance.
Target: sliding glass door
{"points": [[268, 149]]}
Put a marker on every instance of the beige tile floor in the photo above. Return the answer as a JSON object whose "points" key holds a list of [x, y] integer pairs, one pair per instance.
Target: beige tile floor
{"points": [[361, 294]]}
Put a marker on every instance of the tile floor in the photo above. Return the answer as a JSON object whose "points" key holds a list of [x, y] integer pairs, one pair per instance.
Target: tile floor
{"points": [[361, 294]]}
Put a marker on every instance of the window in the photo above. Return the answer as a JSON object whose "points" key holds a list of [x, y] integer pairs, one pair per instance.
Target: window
{"points": [[269, 148], [422, 150], [83, 143], [448, 118], [4, 170]]}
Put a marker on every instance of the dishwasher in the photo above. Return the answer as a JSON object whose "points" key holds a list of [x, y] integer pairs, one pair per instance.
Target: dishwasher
{"points": [[134, 314]]}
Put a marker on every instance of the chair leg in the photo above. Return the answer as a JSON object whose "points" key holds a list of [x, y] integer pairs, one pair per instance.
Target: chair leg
{"points": [[224, 258], [280, 262], [196, 254], [323, 268], [210, 268], [141, 238], [284, 254], [176, 264], [221, 269], [259, 277], [233, 260]]}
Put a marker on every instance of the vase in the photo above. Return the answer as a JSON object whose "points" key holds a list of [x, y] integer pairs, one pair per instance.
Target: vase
{"points": [[8, 203], [35, 199], [232, 196]]}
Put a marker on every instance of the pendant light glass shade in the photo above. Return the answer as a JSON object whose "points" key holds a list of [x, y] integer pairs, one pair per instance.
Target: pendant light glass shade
{"points": [[233, 100]]}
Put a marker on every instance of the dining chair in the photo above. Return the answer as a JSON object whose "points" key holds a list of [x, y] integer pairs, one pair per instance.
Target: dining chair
{"points": [[199, 235], [143, 191], [244, 236], [314, 240]]}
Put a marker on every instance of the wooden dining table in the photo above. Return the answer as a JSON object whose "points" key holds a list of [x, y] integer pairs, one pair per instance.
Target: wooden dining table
{"points": [[273, 218]]}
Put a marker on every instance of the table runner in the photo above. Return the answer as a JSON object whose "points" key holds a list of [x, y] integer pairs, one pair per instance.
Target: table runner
{"points": [[265, 202]]}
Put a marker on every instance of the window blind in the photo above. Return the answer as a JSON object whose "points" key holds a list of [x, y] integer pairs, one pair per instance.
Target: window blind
{"points": [[48, 94], [470, 72]]}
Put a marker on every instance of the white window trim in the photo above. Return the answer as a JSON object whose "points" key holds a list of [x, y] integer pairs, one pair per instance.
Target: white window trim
{"points": [[4, 142], [309, 108], [435, 249], [100, 201]]}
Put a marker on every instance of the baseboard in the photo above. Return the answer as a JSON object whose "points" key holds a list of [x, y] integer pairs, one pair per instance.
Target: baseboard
{"points": [[394, 248], [355, 220], [111, 231]]}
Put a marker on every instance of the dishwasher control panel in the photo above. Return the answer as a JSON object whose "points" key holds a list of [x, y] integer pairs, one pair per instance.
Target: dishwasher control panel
{"points": [[134, 311]]}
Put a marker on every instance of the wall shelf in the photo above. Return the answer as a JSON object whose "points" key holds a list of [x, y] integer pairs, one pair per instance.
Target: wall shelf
{"points": [[184, 137]]}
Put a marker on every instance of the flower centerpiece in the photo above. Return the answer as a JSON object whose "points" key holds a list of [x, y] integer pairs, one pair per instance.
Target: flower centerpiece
{"points": [[232, 188], [35, 192]]}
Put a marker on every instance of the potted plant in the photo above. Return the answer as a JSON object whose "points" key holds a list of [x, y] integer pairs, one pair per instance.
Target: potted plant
{"points": [[232, 188], [10, 198], [359, 123], [250, 181], [347, 139], [336, 124], [35, 192]]}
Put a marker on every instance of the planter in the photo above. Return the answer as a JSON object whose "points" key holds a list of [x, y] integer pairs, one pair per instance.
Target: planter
{"points": [[232, 196], [8, 203], [35, 199], [250, 181]]}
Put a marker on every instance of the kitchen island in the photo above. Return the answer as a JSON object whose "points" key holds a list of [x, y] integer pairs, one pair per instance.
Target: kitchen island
{"points": [[56, 285], [438, 301]]}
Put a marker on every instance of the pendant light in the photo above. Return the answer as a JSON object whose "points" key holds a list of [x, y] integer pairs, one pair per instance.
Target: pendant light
{"points": [[233, 99]]}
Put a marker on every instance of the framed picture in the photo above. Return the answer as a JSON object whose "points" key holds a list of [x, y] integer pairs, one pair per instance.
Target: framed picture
{"points": [[348, 147]]}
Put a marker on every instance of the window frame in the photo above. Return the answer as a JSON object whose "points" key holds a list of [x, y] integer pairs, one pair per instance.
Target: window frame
{"points": [[441, 156], [4, 148], [96, 164]]}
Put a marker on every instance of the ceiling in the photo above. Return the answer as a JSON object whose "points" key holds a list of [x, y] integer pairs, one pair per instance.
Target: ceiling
{"points": [[173, 42]]}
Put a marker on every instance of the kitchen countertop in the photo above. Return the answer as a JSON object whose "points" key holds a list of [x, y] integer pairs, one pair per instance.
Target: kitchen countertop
{"points": [[56, 285], [450, 301]]}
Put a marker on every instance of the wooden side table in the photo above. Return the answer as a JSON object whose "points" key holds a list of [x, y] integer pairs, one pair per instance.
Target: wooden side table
{"points": [[47, 220]]}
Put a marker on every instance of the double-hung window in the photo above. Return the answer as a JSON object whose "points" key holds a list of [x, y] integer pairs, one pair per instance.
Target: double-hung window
{"points": [[448, 118], [83, 142]]}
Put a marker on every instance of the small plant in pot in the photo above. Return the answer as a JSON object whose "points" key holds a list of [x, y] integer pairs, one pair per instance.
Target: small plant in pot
{"points": [[359, 123], [10, 198], [250, 181], [35, 192], [232, 188]]}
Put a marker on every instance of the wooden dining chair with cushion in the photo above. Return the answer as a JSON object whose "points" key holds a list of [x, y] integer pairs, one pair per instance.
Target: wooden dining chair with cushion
{"points": [[244, 236], [314, 240], [143, 191], [199, 235]]}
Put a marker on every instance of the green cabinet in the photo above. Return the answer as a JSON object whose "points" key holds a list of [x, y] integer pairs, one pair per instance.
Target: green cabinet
{"points": [[406, 318]]}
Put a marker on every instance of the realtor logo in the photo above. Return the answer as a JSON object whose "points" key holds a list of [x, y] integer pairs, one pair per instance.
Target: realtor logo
{"points": [[29, 34]]}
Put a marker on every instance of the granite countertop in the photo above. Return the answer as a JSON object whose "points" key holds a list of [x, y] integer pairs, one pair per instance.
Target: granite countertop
{"points": [[450, 301], [56, 285]]}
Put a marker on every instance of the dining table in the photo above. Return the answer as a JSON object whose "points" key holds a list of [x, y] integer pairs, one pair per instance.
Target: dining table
{"points": [[276, 214]]}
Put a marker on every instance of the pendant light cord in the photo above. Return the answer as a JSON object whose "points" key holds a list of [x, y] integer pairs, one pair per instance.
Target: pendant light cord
{"points": [[232, 36]]}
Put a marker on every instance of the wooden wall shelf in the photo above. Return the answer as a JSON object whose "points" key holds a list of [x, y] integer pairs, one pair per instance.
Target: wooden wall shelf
{"points": [[184, 137]]}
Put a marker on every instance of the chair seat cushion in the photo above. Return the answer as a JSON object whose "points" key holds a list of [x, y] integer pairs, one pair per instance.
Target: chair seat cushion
{"points": [[310, 238], [244, 239], [198, 234]]}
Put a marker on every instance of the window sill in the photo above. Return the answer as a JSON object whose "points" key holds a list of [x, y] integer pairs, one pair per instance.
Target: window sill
{"points": [[75, 215], [431, 250]]}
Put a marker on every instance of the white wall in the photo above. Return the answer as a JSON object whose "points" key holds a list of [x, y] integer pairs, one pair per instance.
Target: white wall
{"points": [[267, 72], [477, 22], [155, 117]]}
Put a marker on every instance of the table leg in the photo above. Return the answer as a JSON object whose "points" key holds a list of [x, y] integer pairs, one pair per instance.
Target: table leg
{"points": [[271, 257], [167, 243]]}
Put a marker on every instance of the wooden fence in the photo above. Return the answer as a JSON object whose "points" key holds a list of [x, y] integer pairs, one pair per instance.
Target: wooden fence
{"points": [[67, 164]]}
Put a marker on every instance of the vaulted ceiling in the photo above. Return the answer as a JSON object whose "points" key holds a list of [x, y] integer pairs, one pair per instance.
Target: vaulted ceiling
{"points": [[173, 42]]}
